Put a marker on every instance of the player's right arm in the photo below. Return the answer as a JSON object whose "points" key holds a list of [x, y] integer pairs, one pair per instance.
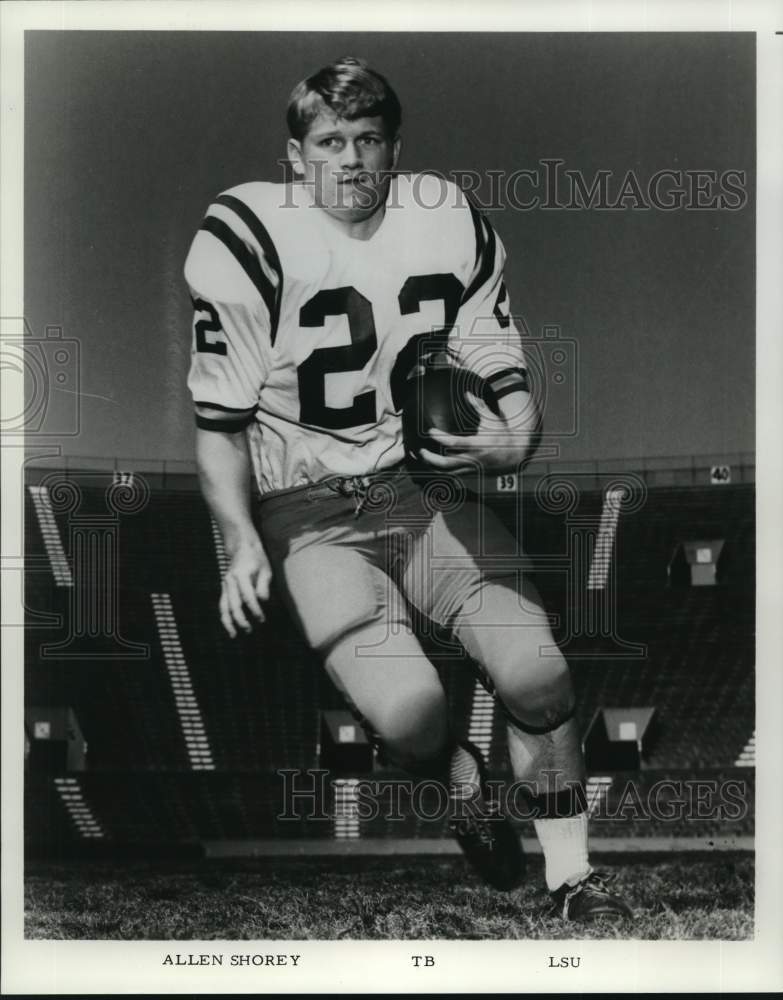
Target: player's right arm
{"points": [[225, 474], [229, 359]]}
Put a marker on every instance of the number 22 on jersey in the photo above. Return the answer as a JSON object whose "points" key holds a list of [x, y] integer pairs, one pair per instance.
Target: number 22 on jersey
{"points": [[353, 357]]}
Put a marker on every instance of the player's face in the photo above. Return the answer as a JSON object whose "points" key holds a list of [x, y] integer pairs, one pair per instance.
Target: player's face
{"points": [[347, 163]]}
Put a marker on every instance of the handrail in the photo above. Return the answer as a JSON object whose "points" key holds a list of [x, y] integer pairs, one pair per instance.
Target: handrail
{"points": [[600, 466], [679, 470]]}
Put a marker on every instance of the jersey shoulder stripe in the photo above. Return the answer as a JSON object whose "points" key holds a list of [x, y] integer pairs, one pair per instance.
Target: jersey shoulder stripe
{"points": [[244, 256], [211, 273], [233, 259], [276, 220], [485, 253], [271, 256]]}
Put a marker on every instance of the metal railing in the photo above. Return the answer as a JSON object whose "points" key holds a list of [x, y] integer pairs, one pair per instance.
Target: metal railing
{"points": [[658, 470]]}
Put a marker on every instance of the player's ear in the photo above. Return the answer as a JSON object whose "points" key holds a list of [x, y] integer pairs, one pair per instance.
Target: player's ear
{"points": [[294, 150], [397, 145]]}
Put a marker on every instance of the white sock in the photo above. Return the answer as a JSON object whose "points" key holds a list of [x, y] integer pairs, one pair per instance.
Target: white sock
{"points": [[564, 843]]}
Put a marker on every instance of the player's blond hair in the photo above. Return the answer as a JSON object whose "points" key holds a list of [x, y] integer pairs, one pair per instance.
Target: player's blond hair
{"points": [[348, 88]]}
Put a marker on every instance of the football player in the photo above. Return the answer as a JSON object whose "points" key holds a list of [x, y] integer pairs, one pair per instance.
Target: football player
{"points": [[314, 302]]}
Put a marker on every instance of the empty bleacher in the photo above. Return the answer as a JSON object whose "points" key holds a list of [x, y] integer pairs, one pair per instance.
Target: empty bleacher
{"points": [[687, 651]]}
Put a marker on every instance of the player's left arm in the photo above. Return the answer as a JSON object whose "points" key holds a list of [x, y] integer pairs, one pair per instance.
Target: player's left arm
{"points": [[486, 340]]}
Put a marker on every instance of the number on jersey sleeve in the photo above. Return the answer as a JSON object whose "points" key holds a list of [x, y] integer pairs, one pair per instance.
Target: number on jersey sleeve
{"points": [[203, 326], [230, 329]]}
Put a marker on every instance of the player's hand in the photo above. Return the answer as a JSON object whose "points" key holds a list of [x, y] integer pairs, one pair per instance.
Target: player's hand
{"points": [[245, 585], [492, 448]]}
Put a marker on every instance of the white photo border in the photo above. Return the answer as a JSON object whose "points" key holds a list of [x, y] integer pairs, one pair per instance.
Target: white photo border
{"points": [[70, 967]]}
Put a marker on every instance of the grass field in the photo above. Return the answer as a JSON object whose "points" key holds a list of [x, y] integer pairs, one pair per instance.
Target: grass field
{"points": [[674, 897]]}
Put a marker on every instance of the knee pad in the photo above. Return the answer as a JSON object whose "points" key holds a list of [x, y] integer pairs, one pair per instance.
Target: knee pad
{"points": [[542, 710], [537, 697], [414, 740], [553, 718], [433, 766]]}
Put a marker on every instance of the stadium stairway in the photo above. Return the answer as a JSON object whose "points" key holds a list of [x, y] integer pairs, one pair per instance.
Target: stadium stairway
{"points": [[259, 697]]}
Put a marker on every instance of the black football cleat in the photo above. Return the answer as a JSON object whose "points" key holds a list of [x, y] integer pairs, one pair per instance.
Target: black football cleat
{"points": [[487, 838], [492, 847], [590, 899]]}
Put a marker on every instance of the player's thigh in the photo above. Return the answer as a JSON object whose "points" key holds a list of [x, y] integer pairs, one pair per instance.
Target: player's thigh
{"points": [[464, 547], [334, 590], [469, 574], [351, 612]]}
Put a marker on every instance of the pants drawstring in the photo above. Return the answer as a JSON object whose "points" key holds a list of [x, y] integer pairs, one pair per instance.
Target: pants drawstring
{"points": [[352, 486]]}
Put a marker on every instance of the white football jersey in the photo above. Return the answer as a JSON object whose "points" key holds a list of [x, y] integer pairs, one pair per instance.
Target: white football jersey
{"points": [[316, 332]]}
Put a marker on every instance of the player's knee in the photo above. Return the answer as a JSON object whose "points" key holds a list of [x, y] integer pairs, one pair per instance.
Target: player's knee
{"points": [[541, 698], [413, 725]]}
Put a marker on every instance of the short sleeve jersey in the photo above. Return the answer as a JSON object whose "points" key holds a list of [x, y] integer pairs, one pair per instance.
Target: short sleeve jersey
{"points": [[310, 335]]}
